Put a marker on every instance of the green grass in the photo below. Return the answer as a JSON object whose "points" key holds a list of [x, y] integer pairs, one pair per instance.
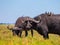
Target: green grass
{"points": [[6, 38]]}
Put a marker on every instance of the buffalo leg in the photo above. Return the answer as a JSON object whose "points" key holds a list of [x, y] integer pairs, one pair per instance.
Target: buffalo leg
{"points": [[26, 33], [45, 35], [20, 33], [45, 31], [17, 32], [14, 33], [32, 33]]}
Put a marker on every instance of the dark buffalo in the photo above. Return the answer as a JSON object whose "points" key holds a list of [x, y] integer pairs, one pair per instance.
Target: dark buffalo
{"points": [[49, 23], [21, 25]]}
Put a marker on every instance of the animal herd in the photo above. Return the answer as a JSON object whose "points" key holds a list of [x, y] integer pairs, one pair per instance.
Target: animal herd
{"points": [[44, 24]]}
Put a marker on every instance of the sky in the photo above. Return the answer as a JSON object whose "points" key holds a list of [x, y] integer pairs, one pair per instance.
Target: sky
{"points": [[10, 10]]}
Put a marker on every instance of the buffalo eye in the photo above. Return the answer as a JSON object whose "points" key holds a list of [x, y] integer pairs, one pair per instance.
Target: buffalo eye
{"points": [[30, 21], [26, 21]]}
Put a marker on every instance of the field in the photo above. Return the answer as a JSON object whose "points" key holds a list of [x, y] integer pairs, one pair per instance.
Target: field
{"points": [[6, 38]]}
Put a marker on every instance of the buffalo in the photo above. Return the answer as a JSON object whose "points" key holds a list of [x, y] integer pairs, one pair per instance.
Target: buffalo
{"points": [[48, 23], [21, 25]]}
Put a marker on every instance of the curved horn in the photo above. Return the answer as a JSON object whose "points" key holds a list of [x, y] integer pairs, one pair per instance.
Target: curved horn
{"points": [[35, 21], [31, 19]]}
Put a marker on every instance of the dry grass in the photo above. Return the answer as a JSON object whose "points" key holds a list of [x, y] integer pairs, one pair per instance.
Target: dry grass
{"points": [[6, 38]]}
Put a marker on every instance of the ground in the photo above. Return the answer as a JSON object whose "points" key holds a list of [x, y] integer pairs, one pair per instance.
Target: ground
{"points": [[7, 38]]}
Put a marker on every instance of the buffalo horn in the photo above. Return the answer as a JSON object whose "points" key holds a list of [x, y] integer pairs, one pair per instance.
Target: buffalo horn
{"points": [[31, 19]]}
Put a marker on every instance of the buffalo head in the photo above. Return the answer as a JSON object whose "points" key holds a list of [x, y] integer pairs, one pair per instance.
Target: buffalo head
{"points": [[30, 22]]}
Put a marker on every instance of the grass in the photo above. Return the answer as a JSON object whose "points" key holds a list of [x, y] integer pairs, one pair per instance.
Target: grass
{"points": [[6, 38]]}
